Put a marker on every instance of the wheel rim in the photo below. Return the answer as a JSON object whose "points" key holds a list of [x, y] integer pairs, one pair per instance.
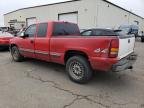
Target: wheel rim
{"points": [[76, 70], [15, 54]]}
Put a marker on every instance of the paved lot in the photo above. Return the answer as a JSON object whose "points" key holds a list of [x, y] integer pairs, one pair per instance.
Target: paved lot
{"points": [[37, 84]]}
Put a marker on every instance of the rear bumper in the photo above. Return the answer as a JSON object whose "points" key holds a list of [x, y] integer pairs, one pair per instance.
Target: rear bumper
{"points": [[102, 64], [113, 64], [125, 63]]}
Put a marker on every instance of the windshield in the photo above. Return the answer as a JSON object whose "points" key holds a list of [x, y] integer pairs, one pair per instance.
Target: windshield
{"points": [[128, 29], [19, 33], [124, 30]]}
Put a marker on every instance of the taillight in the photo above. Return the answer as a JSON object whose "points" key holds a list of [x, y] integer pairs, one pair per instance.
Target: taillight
{"points": [[114, 48]]}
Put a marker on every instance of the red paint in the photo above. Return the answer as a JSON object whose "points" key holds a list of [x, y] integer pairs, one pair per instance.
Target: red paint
{"points": [[59, 45], [4, 40]]}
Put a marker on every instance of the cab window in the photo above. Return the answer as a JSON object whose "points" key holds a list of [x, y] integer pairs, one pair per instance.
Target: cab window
{"points": [[103, 32], [42, 30], [31, 30], [86, 33], [65, 29]]}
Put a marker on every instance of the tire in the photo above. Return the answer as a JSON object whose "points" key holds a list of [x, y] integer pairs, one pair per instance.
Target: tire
{"points": [[142, 40], [79, 69], [16, 54], [1, 49]]}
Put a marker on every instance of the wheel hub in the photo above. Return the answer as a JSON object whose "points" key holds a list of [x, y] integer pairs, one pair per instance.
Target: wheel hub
{"points": [[76, 70], [15, 54]]}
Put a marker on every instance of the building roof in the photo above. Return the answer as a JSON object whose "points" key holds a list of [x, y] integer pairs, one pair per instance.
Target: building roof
{"points": [[74, 1], [41, 6], [123, 8]]}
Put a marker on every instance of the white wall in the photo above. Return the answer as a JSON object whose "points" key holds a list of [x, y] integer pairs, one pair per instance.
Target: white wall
{"points": [[86, 13], [135, 18], [91, 14], [110, 16]]}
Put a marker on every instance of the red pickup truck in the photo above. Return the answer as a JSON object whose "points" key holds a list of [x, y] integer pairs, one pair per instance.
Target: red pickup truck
{"points": [[61, 42]]}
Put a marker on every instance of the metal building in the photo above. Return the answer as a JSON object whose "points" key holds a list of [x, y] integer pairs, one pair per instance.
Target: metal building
{"points": [[87, 13]]}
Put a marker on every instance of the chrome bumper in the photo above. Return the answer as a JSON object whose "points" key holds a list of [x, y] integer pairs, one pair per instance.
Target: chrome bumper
{"points": [[125, 63]]}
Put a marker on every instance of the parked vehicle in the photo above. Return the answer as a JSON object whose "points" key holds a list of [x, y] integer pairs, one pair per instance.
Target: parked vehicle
{"points": [[4, 40], [61, 42], [130, 29], [4, 29]]}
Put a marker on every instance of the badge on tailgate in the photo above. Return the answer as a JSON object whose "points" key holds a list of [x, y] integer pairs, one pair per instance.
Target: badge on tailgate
{"points": [[99, 50]]}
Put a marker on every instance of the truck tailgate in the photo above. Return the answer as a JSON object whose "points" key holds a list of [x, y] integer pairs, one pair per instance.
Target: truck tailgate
{"points": [[126, 46]]}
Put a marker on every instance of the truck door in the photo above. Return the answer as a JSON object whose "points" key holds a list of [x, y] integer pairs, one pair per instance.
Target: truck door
{"points": [[42, 42], [26, 45]]}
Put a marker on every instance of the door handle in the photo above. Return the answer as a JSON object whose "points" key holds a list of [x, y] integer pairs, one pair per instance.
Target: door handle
{"points": [[32, 41]]}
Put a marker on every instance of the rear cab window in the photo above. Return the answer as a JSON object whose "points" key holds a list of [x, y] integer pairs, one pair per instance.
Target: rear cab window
{"points": [[99, 32], [102, 32], [65, 29], [42, 30], [87, 33]]}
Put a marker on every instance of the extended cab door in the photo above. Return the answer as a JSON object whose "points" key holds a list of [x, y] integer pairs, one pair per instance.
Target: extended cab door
{"points": [[26, 45], [42, 42]]}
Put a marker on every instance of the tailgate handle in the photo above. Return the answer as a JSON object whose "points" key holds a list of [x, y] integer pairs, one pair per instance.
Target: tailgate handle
{"points": [[129, 41]]}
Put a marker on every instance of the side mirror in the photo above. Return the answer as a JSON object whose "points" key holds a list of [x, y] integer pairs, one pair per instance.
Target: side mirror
{"points": [[23, 35], [15, 35]]}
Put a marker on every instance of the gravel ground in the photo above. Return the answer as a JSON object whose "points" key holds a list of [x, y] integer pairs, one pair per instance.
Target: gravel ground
{"points": [[38, 84]]}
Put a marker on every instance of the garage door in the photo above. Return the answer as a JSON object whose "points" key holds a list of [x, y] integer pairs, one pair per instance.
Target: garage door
{"points": [[31, 21], [69, 17]]}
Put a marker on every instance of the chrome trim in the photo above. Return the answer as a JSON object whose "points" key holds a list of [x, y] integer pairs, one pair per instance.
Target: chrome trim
{"points": [[26, 50], [125, 63], [41, 52], [55, 55], [33, 51]]}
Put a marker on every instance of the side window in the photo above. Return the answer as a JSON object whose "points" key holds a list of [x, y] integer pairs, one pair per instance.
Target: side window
{"points": [[65, 29], [31, 30], [97, 32], [86, 33], [108, 33], [103, 33], [42, 30]]}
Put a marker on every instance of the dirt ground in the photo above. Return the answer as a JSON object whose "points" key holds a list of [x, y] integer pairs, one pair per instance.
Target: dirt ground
{"points": [[38, 84]]}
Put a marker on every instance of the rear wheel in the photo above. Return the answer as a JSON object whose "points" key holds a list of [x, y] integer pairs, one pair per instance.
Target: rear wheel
{"points": [[79, 69], [16, 54], [142, 39]]}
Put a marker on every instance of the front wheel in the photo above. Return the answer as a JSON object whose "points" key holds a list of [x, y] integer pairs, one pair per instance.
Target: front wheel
{"points": [[16, 54], [79, 69]]}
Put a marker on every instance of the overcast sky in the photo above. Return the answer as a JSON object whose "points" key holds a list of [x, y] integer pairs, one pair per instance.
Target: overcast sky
{"points": [[136, 6]]}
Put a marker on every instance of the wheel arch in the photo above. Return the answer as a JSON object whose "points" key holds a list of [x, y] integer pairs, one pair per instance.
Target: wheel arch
{"points": [[12, 45], [71, 53]]}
